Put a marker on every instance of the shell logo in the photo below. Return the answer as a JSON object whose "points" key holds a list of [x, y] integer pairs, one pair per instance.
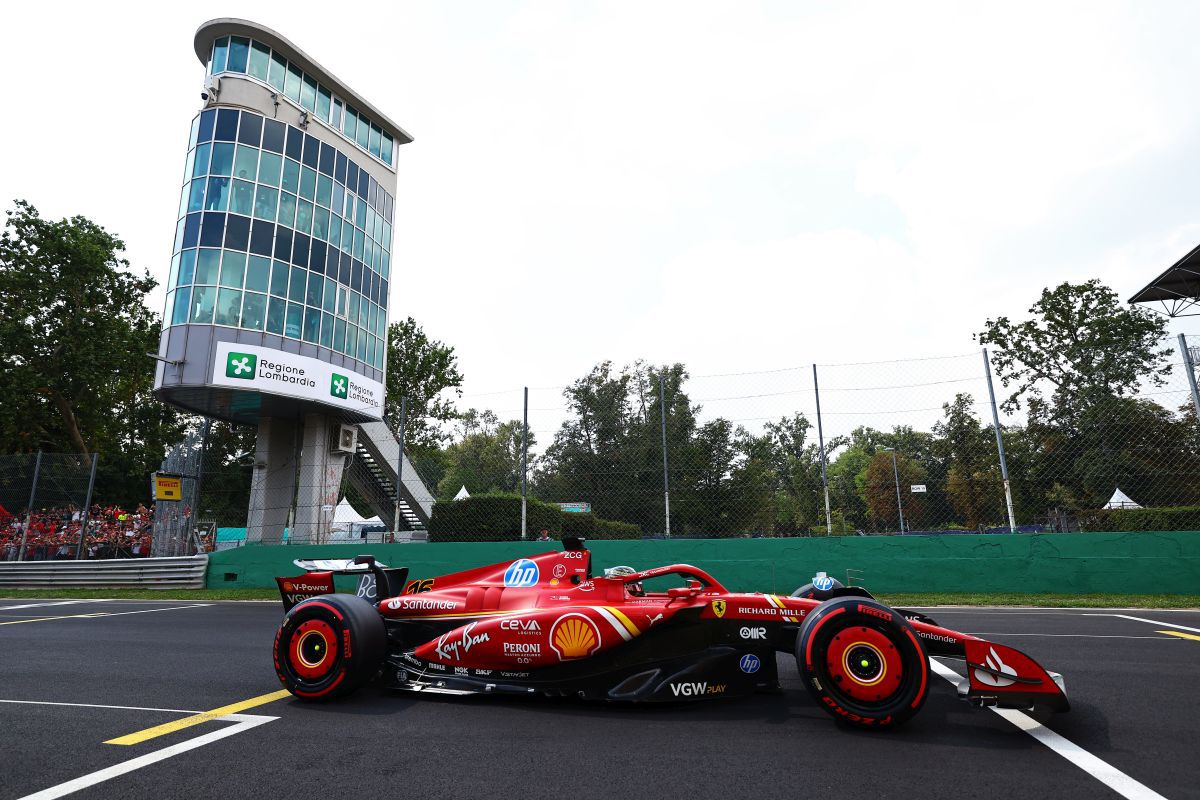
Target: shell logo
{"points": [[574, 636]]}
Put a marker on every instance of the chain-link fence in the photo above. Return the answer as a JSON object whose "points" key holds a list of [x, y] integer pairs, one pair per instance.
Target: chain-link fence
{"points": [[46, 511]]}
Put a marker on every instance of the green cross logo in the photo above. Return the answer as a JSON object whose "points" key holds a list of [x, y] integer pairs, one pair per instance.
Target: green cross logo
{"points": [[241, 365], [339, 385]]}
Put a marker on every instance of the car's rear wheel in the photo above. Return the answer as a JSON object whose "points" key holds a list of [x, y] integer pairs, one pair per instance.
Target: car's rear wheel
{"points": [[862, 663], [328, 646]]}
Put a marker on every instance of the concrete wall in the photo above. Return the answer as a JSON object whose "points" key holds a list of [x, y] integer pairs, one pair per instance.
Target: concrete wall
{"points": [[1076, 563]]}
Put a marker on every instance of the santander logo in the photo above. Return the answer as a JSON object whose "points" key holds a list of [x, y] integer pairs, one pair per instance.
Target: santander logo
{"points": [[994, 663]]}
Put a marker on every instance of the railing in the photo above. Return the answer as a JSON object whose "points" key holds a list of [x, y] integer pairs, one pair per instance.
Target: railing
{"points": [[184, 573]]}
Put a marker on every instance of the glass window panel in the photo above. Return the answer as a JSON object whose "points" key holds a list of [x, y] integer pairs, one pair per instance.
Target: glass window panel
{"points": [[222, 159], [187, 267], [385, 149], [336, 118], [326, 330], [203, 299], [339, 335], [195, 132], [233, 269], [287, 209], [323, 98], [276, 310], [296, 289], [351, 128], [347, 235], [371, 340], [183, 300], [354, 301], [361, 355], [250, 131], [196, 196], [278, 71], [207, 265], [294, 148], [245, 163], [308, 94], [260, 60], [320, 227], [364, 133], [174, 273], [295, 315], [312, 325], [329, 303], [279, 278], [291, 86], [385, 265], [338, 202], [200, 167], [239, 51], [308, 183], [243, 198], [340, 309], [324, 190], [359, 241], [229, 307], [227, 122], [189, 167], [266, 203], [274, 133], [258, 273], [220, 53], [254, 311], [316, 287], [183, 201], [335, 230], [304, 211], [217, 198], [291, 175], [373, 142], [269, 165], [360, 214]]}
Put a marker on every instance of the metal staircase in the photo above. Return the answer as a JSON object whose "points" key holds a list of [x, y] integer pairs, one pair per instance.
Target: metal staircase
{"points": [[372, 472]]}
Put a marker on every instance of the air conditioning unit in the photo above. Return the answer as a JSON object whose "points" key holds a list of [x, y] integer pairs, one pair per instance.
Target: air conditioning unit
{"points": [[347, 439]]}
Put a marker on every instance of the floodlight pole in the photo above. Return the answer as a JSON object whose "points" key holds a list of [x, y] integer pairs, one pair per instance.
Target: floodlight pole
{"points": [[87, 506], [399, 467], [662, 400], [524, 464], [37, 468], [896, 473], [1191, 372], [821, 443], [987, 370]]}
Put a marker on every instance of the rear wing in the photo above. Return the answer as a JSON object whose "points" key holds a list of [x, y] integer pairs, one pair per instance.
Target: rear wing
{"points": [[318, 579]]}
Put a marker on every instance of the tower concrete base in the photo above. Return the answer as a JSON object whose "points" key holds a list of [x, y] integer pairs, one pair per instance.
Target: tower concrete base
{"points": [[273, 483]]}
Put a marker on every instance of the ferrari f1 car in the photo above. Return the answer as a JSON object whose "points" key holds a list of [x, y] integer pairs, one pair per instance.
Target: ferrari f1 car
{"points": [[545, 625]]}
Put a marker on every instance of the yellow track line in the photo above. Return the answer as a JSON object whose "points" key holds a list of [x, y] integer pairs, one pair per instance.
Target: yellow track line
{"points": [[1181, 635], [47, 619], [197, 719]]}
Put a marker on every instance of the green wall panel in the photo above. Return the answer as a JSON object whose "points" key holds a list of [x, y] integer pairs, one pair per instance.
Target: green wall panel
{"points": [[1077, 563]]}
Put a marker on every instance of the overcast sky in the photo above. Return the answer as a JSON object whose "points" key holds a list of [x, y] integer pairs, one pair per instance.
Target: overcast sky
{"points": [[740, 187]]}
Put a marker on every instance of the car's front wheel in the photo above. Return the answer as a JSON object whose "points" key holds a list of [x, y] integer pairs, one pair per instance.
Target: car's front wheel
{"points": [[328, 646], [862, 662]]}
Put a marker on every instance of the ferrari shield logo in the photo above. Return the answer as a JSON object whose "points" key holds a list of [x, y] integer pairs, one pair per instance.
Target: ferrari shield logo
{"points": [[719, 607]]}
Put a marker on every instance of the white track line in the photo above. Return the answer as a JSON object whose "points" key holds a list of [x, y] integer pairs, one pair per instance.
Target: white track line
{"points": [[1078, 635], [1151, 621], [243, 722], [1101, 770], [94, 705], [44, 605]]}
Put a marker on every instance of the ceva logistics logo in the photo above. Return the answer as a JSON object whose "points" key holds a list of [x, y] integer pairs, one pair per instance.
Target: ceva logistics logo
{"points": [[241, 365], [339, 385]]}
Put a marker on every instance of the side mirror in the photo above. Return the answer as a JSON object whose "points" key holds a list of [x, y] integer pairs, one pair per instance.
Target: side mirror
{"points": [[679, 592]]}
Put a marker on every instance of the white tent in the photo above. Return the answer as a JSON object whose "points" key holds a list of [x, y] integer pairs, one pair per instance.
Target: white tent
{"points": [[463, 494], [1120, 500], [344, 516]]}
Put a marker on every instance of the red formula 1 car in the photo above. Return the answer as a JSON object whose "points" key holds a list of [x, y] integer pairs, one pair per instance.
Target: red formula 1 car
{"points": [[545, 625]]}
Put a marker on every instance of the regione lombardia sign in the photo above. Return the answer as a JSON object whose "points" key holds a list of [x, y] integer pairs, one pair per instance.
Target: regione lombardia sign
{"points": [[242, 366]]}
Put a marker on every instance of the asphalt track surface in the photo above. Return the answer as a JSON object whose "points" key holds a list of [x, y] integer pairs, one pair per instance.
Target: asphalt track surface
{"points": [[1134, 721]]}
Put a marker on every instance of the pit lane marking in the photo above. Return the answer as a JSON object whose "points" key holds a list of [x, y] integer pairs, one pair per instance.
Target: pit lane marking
{"points": [[1099, 769], [197, 719], [242, 723], [97, 614], [43, 605], [94, 705], [1079, 635], [1182, 635]]}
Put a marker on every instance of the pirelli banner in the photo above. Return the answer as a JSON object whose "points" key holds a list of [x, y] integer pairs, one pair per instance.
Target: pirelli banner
{"points": [[262, 369]]}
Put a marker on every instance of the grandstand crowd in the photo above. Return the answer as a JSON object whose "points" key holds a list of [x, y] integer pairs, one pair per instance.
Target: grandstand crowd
{"points": [[112, 532]]}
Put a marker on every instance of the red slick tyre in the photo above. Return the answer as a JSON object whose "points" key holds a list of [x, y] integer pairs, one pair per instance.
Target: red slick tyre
{"points": [[328, 646], [863, 663]]}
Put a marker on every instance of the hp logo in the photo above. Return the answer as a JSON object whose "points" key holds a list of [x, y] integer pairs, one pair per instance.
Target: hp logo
{"points": [[520, 573], [749, 664], [823, 583]]}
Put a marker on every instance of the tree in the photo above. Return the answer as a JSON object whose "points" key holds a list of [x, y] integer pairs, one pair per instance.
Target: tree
{"points": [[1082, 342], [877, 485], [485, 458], [973, 482], [420, 369], [74, 333]]}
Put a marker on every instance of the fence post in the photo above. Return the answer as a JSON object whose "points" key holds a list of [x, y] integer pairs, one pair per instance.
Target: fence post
{"points": [[821, 442], [37, 468], [524, 461], [987, 370], [399, 467], [662, 400], [191, 523], [87, 507]]}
